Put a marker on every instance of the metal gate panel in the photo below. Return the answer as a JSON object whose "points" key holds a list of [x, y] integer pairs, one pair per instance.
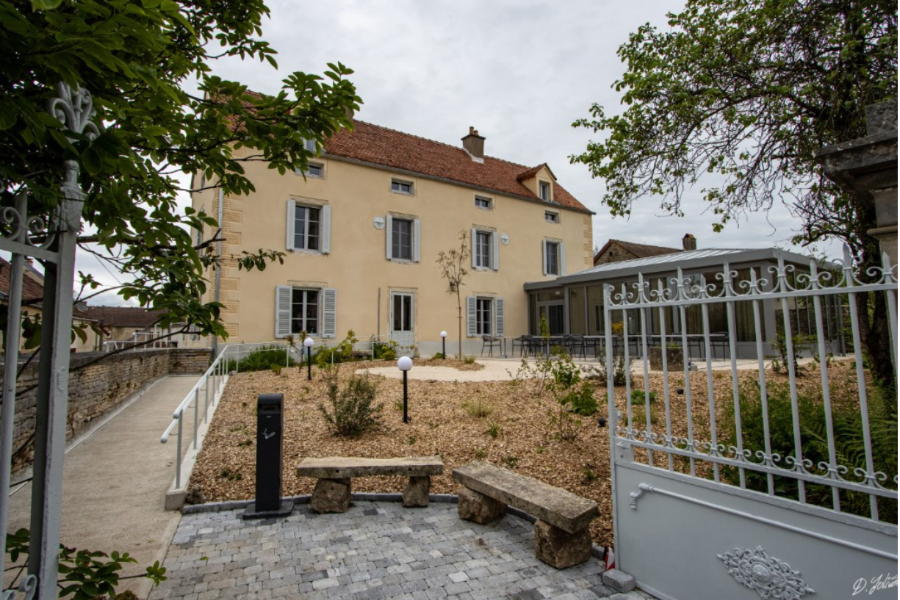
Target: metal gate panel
{"points": [[701, 534]]}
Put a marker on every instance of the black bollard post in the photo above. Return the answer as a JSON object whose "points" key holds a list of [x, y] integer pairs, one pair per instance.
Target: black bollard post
{"points": [[269, 419], [405, 418]]}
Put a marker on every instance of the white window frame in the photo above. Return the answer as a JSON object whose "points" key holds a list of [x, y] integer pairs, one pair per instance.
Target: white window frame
{"points": [[397, 187], [484, 317], [483, 259], [326, 311], [324, 227], [415, 238], [560, 256], [489, 203], [542, 186], [310, 146], [493, 253], [496, 317], [551, 216], [304, 319]]}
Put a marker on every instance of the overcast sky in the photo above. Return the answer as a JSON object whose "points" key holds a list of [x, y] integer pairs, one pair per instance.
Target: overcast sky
{"points": [[519, 71]]}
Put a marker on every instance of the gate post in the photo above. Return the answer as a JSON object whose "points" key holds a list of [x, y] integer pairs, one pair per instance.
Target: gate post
{"points": [[75, 110]]}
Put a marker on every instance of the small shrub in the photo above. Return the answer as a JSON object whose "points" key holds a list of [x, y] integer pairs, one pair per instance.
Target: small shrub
{"points": [[583, 402], [539, 449], [411, 440], [469, 359], [384, 350], [480, 454], [262, 359], [438, 355], [245, 443], [589, 475], [352, 410], [478, 409], [800, 342], [637, 397], [276, 369], [493, 429], [230, 475], [511, 461], [341, 353], [620, 370]]}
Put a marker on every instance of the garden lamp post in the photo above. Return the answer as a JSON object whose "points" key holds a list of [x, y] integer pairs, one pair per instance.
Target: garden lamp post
{"points": [[404, 364], [444, 345], [308, 343]]}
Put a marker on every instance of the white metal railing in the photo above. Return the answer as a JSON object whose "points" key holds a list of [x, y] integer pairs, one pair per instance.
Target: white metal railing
{"points": [[212, 383], [697, 444]]}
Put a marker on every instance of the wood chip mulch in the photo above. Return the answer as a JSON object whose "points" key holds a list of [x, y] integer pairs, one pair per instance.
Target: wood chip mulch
{"points": [[442, 424]]}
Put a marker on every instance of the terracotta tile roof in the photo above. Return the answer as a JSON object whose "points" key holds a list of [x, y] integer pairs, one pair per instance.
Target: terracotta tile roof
{"points": [[636, 250], [394, 149], [123, 316], [533, 171], [31, 289]]}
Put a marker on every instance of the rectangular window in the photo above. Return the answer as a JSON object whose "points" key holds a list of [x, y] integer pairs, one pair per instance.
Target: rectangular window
{"points": [[401, 239], [551, 217], [545, 191], [483, 316], [552, 258], [401, 187], [402, 313], [316, 170], [483, 249], [306, 228], [305, 311], [310, 145], [485, 203]]}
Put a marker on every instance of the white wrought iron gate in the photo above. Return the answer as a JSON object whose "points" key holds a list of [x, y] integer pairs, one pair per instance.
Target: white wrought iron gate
{"points": [[52, 239], [731, 481]]}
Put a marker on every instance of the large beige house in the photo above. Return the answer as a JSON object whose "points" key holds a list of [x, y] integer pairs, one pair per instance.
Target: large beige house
{"points": [[362, 232]]}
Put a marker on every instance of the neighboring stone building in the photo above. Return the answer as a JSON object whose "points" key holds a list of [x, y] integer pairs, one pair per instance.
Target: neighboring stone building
{"points": [[363, 230], [32, 299], [619, 250], [132, 325]]}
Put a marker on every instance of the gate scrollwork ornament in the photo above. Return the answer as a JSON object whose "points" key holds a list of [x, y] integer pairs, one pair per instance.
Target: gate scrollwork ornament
{"points": [[766, 575], [27, 586]]}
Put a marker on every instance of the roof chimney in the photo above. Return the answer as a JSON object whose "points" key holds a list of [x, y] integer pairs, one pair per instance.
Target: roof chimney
{"points": [[474, 145], [689, 242]]}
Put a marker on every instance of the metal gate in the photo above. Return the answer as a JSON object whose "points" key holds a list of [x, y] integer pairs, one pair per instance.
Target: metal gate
{"points": [[731, 480], [53, 241]]}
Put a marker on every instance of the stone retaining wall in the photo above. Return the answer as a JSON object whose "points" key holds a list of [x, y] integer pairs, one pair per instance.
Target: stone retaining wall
{"points": [[95, 389]]}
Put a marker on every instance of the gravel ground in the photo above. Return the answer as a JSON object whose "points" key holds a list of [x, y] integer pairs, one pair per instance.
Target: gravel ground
{"points": [[442, 423]]}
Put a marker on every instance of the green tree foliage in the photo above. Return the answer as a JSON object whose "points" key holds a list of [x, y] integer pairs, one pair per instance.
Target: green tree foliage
{"points": [[741, 93], [140, 60]]}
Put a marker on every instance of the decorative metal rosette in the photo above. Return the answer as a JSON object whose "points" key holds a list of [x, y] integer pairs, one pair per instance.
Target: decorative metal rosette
{"points": [[764, 574]]}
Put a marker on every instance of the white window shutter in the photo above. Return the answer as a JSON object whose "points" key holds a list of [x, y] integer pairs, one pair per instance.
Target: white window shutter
{"points": [[471, 316], [499, 310], [329, 313], [283, 295], [291, 217], [562, 258], [495, 250], [326, 229], [388, 232], [417, 236], [474, 246], [544, 255]]}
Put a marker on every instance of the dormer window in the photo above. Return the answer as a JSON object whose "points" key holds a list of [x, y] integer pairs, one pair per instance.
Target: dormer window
{"points": [[309, 145], [544, 188], [551, 217], [402, 187]]}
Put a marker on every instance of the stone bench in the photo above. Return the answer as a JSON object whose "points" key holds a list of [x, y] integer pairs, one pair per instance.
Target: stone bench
{"points": [[561, 536], [332, 492]]}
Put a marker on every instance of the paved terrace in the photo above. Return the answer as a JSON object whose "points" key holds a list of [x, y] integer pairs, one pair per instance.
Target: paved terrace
{"points": [[376, 550]]}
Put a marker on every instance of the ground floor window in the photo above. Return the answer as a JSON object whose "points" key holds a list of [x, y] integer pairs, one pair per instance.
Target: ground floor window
{"points": [[305, 311], [483, 316]]}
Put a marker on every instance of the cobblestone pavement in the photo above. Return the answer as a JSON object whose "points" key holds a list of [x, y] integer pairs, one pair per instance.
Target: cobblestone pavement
{"points": [[375, 550]]}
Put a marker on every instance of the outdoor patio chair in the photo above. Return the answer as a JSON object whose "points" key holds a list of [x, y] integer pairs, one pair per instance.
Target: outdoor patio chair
{"points": [[490, 342], [524, 344], [574, 345]]}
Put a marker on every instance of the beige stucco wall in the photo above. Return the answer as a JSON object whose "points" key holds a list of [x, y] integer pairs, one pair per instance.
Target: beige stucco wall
{"points": [[357, 267]]}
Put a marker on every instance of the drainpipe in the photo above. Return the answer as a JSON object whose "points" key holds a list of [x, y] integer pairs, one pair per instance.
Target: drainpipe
{"points": [[215, 348]]}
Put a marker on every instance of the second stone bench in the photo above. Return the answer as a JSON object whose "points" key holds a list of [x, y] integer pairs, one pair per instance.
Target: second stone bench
{"points": [[332, 492]]}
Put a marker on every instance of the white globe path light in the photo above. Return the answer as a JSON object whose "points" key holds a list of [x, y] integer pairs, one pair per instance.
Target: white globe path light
{"points": [[308, 344], [405, 364], [444, 345]]}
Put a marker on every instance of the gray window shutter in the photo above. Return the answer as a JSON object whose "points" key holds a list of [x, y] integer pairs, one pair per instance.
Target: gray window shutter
{"points": [[495, 250], [544, 255], [474, 246], [291, 212], [388, 232], [500, 325], [283, 295], [326, 229], [417, 236], [562, 258], [471, 328], [329, 313]]}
